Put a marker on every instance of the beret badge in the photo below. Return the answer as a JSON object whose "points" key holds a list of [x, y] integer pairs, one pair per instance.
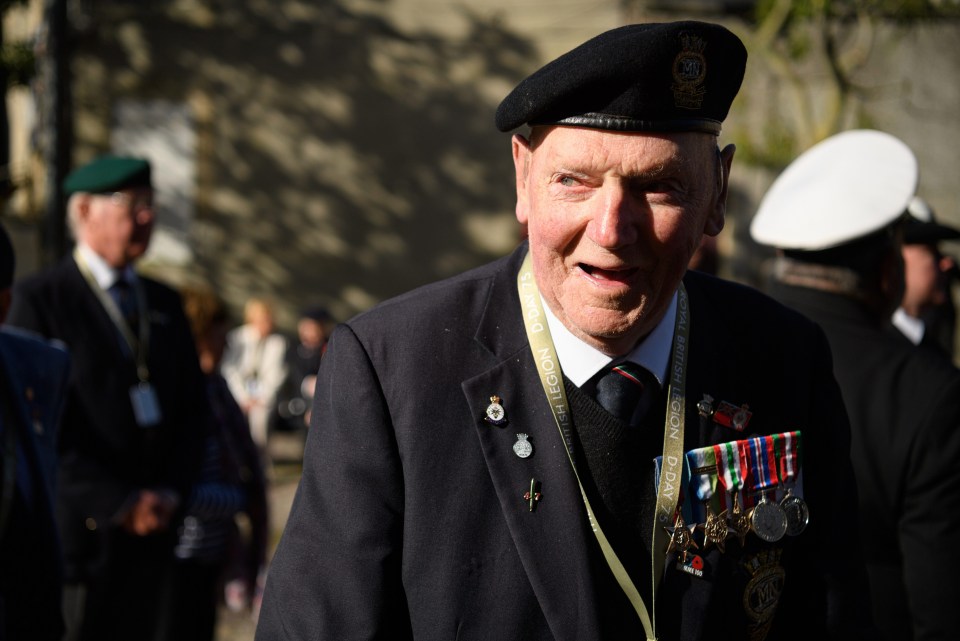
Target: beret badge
{"points": [[689, 73]]}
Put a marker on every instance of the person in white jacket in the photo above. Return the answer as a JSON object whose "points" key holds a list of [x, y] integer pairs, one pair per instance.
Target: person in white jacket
{"points": [[254, 365]]}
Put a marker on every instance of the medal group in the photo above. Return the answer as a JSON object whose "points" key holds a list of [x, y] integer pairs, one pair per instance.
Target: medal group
{"points": [[745, 487]]}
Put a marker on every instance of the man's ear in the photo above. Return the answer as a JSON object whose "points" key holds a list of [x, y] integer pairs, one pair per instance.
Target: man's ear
{"points": [[716, 218], [521, 167], [83, 207]]}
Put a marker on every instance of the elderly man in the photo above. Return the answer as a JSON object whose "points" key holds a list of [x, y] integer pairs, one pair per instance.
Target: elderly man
{"points": [[836, 214], [132, 425], [484, 452]]}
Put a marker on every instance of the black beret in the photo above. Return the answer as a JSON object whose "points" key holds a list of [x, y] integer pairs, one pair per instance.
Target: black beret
{"points": [[675, 76], [7, 260], [108, 173]]}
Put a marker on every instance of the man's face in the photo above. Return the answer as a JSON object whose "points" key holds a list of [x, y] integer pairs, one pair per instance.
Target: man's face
{"points": [[311, 332], [117, 226], [925, 278], [613, 219]]}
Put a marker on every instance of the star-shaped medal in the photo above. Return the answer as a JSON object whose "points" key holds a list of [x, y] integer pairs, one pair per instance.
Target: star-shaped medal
{"points": [[715, 530], [681, 538], [739, 520]]}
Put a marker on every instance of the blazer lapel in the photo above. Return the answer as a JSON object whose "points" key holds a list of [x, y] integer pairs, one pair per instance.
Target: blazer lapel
{"points": [[552, 538]]}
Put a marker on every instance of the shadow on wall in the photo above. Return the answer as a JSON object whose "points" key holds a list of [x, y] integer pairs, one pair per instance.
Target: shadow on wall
{"points": [[337, 159]]}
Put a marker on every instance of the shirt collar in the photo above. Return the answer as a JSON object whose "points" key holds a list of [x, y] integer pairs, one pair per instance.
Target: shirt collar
{"points": [[104, 274], [580, 362], [910, 326]]}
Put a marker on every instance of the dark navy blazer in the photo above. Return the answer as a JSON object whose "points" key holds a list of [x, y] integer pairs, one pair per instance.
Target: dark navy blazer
{"points": [[410, 520]]}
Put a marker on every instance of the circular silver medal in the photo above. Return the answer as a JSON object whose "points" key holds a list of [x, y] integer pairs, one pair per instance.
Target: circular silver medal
{"points": [[522, 447], [797, 512], [768, 521]]}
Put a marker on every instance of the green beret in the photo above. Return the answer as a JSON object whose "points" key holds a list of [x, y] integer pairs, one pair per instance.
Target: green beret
{"points": [[107, 174], [676, 76]]}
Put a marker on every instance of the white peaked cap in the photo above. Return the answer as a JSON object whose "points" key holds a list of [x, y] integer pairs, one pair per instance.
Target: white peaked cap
{"points": [[841, 189], [920, 209]]}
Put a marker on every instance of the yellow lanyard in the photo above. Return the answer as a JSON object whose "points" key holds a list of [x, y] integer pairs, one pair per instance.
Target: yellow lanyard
{"points": [[551, 377]]}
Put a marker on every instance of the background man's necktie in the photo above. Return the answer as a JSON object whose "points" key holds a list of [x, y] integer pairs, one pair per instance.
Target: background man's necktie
{"points": [[620, 389], [122, 293]]}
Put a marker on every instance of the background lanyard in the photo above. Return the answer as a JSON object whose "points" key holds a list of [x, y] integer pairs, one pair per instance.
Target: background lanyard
{"points": [[137, 344]]}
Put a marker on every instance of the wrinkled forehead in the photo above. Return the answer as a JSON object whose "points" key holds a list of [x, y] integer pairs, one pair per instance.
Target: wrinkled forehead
{"points": [[583, 145]]}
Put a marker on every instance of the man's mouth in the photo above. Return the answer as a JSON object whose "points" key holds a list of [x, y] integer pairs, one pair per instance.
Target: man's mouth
{"points": [[614, 275]]}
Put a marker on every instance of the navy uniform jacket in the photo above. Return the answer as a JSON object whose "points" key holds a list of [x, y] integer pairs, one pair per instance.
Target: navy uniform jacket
{"points": [[410, 520], [104, 454], [904, 405], [33, 378]]}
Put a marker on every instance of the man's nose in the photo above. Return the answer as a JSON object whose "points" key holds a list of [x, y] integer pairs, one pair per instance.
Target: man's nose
{"points": [[614, 223]]}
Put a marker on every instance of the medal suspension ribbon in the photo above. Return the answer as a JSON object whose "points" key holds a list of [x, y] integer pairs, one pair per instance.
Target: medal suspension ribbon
{"points": [[746, 471], [760, 450], [729, 469], [703, 473], [551, 377], [790, 461], [794, 507], [137, 344]]}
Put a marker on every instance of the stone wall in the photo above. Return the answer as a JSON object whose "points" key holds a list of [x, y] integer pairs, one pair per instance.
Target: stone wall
{"points": [[341, 152]]}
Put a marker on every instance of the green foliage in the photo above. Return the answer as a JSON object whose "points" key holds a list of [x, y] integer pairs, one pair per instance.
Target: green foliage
{"points": [[777, 149], [18, 63], [8, 4], [899, 10]]}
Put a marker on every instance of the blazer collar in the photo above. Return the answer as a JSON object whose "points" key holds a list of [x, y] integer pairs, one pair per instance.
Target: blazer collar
{"points": [[501, 328]]}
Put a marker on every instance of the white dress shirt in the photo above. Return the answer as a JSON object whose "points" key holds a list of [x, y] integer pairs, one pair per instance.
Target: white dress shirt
{"points": [[580, 362]]}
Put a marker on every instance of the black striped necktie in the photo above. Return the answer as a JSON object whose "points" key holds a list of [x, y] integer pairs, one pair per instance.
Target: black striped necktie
{"points": [[620, 388]]}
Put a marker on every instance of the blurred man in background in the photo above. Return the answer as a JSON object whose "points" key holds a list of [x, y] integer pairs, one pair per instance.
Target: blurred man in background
{"points": [[131, 437], [837, 216], [927, 314]]}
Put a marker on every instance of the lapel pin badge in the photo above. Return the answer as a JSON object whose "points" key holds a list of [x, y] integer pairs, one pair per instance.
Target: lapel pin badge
{"points": [[729, 415], [496, 415], [705, 407], [523, 447], [532, 496]]}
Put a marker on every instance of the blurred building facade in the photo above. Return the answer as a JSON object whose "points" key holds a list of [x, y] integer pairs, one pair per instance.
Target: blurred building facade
{"points": [[343, 151]]}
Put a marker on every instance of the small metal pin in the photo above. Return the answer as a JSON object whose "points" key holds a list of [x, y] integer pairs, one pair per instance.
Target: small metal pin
{"points": [[495, 414], [705, 407], [523, 447], [532, 495]]}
